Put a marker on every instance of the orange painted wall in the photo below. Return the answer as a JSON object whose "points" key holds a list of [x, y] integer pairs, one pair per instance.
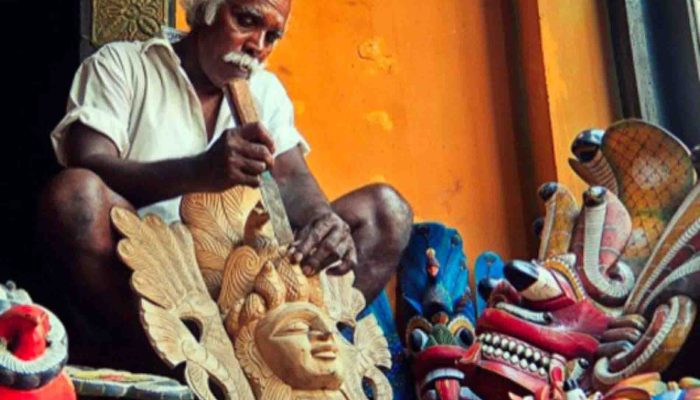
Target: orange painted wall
{"points": [[416, 97], [570, 79], [582, 88]]}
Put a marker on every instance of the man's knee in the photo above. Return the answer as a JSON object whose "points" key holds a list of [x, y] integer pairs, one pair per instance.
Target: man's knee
{"points": [[73, 191], [391, 210], [74, 208]]}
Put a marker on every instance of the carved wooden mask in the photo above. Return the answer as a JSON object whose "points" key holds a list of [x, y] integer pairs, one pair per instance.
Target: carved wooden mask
{"points": [[272, 333]]}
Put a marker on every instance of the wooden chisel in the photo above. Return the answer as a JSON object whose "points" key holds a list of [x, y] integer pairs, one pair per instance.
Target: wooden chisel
{"points": [[243, 110]]}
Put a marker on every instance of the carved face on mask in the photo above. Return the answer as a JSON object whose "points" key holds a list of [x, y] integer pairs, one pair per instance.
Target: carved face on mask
{"points": [[285, 335], [298, 342]]}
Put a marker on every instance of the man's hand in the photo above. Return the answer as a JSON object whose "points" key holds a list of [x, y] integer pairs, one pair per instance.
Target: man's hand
{"points": [[238, 157], [326, 241]]}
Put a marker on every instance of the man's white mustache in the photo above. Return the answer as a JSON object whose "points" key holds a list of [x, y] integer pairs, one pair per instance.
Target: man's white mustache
{"points": [[244, 61]]}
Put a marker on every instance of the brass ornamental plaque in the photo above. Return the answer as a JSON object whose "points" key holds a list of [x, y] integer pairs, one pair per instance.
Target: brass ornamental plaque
{"points": [[114, 20]]}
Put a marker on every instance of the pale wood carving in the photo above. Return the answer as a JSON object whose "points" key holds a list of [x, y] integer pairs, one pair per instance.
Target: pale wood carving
{"points": [[282, 325], [342, 300], [259, 285], [217, 223], [172, 291], [287, 341]]}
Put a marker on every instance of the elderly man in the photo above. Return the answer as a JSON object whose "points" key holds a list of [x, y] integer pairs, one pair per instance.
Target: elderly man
{"points": [[147, 122]]}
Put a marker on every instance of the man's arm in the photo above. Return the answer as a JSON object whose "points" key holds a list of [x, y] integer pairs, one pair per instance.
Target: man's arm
{"points": [[237, 158], [323, 237]]}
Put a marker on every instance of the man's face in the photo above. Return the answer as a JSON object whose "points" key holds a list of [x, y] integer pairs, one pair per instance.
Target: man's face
{"points": [[250, 27]]}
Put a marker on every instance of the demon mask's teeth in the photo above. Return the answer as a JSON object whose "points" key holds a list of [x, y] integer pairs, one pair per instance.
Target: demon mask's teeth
{"points": [[505, 349]]}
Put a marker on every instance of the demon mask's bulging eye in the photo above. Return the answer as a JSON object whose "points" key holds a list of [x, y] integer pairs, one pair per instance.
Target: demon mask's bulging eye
{"points": [[418, 340], [464, 337]]}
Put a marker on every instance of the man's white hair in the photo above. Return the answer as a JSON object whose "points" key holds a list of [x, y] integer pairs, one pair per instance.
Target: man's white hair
{"points": [[201, 12]]}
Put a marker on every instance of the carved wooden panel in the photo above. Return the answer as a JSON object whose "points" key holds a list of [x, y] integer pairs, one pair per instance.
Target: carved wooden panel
{"points": [[127, 19], [166, 278], [105, 21]]}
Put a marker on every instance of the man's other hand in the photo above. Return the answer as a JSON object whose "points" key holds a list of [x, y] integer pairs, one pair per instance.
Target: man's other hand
{"points": [[325, 242], [238, 157]]}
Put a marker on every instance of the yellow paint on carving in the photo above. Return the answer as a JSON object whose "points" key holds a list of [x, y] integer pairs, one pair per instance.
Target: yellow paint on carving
{"points": [[381, 119], [373, 50]]}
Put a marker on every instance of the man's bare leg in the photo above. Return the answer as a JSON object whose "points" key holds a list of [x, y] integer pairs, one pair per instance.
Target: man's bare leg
{"points": [[381, 221], [80, 243]]}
